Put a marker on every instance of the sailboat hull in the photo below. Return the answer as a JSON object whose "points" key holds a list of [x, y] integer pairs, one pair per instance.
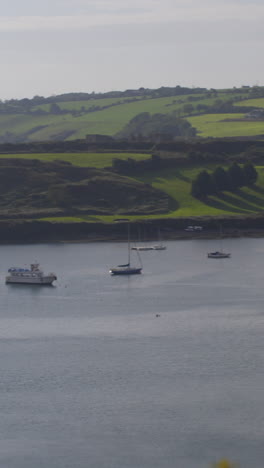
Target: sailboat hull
{"points": [[141, 248], [125, 271], [218, 255], [159, 247]]}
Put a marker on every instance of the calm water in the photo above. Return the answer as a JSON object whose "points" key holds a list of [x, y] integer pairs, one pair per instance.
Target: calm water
{"points": [[90, 377]]}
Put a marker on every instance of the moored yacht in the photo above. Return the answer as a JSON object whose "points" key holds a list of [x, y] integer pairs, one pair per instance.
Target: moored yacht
{"points": [[34, 275], [159, 247], [142, 248], [218, 254], [127, 269]]}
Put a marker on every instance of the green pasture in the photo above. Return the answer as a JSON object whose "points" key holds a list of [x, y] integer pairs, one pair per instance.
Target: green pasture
{"points": [[157, 103], [251, 103], [108, 121], [111, 120], [177, 184], [79, 105], [225, 125], [97, 160]]}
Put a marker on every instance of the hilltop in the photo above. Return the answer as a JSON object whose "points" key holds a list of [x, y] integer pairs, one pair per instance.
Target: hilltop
{"points": [[234, 112]]}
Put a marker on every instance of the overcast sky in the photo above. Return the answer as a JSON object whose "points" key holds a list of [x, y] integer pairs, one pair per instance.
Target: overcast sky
{"points": [[58, 46]]}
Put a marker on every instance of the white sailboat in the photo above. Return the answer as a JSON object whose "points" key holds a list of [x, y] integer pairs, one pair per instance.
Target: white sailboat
{"points": [[142, 247], [159, 245], [146, 247], [127, 269], [219, 253]]}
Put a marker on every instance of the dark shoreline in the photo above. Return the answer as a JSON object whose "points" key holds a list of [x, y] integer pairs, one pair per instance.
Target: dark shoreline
{"points": [[33, 231]]}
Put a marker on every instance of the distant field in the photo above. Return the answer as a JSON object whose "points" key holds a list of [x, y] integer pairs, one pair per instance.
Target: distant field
{"points": [[98, 160], [223, 125], [106, 121], [177, 184], [252, 103], [79, 105]]}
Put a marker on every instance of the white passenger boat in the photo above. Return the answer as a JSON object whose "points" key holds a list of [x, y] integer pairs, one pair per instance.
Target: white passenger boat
{"points": [[34, 275]]}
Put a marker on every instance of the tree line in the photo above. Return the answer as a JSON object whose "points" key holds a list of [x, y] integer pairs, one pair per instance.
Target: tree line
{"points": [[220, 180]]}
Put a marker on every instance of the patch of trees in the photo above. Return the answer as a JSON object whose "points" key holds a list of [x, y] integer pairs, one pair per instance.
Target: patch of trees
{"points": [[222, 150], [146, 126], [223, 107], [221, 180]]}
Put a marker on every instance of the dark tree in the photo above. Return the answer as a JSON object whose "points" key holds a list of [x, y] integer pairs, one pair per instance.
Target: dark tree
{"points": [[221, 179], [250, 174], [236, 175], [188, 108], [54, 108], [202, 185]]}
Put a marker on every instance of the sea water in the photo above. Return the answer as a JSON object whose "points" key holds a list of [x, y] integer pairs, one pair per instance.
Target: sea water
{"points": [[159, 370]]}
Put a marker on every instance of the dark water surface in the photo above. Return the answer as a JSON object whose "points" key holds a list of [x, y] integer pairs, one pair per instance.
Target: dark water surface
{"points": [[90, 377]]}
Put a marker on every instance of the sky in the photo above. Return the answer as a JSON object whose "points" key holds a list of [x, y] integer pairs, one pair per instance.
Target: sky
{"points": [[58, 46]]}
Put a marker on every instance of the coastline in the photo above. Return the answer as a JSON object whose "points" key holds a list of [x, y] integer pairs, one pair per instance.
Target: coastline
{"points": [[34, 231]]}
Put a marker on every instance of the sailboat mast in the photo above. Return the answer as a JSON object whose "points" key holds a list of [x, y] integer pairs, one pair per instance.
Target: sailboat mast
{"points": [[221, 238], [128, 242]]}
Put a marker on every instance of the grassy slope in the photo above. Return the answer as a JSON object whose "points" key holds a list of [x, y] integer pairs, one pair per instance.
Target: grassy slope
{"points": [[222, 125], [98, 160], [111, 120], [78, 105], [177, 184], [252, 102]]}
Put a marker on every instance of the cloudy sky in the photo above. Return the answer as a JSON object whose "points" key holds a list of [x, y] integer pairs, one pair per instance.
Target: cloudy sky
{"points": [[57, 46]]}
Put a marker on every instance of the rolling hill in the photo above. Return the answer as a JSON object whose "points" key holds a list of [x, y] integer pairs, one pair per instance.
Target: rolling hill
{"points": [[214, 113]]}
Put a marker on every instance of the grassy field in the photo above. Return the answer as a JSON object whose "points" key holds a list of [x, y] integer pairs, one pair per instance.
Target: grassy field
{"points": [[79, 105], [252, 102], [98, 160], [177, 184], [223, 125], [111, 120]]}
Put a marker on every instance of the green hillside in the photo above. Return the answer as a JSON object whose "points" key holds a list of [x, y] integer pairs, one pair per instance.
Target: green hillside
{"points": [[29, 188], [177, 185], [226, 125], [65, 118], [252, 102], [43, 185]]}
